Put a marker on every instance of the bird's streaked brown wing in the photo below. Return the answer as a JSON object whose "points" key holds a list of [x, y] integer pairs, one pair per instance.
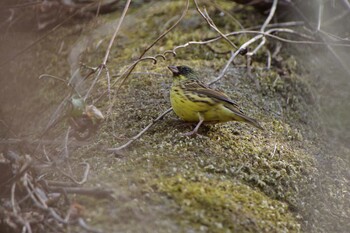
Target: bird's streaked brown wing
{"points": [[200, 88]]}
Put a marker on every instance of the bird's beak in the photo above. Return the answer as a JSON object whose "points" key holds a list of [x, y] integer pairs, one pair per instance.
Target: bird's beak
{"points": [[174, 69]]}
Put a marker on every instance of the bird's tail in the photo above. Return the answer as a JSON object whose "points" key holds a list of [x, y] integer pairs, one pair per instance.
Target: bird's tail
{"points": [[252, 121], [238, 115]]}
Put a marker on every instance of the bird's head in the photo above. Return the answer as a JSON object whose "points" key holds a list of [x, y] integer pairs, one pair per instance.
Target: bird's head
{"points": [[182, 72]]}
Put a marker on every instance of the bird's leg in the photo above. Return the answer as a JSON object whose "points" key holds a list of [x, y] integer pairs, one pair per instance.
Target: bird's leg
{"points": [[194, 131]]}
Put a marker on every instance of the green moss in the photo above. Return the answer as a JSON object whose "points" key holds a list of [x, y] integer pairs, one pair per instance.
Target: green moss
{"points": [[225, 206]]}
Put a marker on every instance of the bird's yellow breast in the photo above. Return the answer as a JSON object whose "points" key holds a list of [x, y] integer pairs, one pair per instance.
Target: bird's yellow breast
{"points": [[187, 106]]}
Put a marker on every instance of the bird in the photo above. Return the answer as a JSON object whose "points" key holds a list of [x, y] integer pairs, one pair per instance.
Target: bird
{"points": [[194, 101]]}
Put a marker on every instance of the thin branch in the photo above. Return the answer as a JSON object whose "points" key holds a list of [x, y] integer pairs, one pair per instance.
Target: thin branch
{"points": [[320, 13], [52, 76], [13, 201], [116, 32], [126, 71], [87, 228], [83, 180], [223, 71], [184, 12], [347, 4], [66, 152], [94, 192], [140, 133], [154, 42], [211, 23], [271, 14], [104, 62], [284, 24]]}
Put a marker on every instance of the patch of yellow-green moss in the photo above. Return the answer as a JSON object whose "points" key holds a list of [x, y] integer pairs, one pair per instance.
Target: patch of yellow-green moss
{"points": [[221, 206]]}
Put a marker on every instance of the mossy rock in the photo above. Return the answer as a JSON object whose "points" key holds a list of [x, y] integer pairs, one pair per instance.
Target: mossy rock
{"points": [[210, 205]]}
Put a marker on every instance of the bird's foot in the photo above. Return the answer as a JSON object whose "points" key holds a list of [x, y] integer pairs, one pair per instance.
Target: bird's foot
{"points": [[190, 134], [194, 134]]}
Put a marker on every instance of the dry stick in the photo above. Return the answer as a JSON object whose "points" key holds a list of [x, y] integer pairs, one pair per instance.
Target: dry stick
{"points": [[25, 167], [154, 59], [320, 13], [245, 45], [334, 37], [167, 31], [83, 225], [40, 203], [263, 41], [98, 8], [335, 54], [52, 183], [217, 6], [207, 18], [347, 4], [94, 192], [284, 24], [141, 133], [239, 50], [268, 65], [104, 63], [223, 71], [269, 17], [13, 201], [14, 209], [83, 180], [154, 42], [66, 153]]}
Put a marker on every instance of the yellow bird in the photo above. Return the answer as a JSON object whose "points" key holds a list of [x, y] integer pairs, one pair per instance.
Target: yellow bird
{"points": [[193, 101]]}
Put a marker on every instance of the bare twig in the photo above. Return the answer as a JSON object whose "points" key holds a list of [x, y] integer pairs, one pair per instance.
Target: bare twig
{"points": [[59, 183], [83, 225], [347, 4], [223, 71], [13, 202], [94, 192], [83, 180], [211, 23], [127, 71], [271, 14], [263, 27], [52, 76], [184, 12], [22, 171], [320, 13], [274, 151], [140, 133], [283, 24], [268, 63], [104, 62], [66, 152]]}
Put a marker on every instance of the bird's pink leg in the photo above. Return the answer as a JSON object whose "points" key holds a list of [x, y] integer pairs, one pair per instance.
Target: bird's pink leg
{"points": [[195, 130]]}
